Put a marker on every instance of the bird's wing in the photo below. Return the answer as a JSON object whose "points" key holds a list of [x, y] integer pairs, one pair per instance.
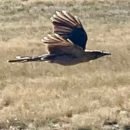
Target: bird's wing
{"points": [[69, 27], [58, 45], [56, 40]]}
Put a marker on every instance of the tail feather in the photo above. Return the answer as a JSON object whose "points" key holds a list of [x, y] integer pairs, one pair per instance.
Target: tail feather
{"points": [[22, 59]]}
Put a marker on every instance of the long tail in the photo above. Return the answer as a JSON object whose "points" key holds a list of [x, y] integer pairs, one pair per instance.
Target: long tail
{"points": [[45, 57]]}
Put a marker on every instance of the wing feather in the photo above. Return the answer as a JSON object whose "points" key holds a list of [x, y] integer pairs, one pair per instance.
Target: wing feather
{"points": [[56, 40], [69, 27], [58, 45]]}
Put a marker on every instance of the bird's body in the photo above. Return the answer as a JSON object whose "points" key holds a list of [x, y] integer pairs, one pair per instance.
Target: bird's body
{"points": [[67, 45]]}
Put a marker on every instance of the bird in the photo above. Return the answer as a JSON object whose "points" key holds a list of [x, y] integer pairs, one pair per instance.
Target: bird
{"points": [[67, 44]]}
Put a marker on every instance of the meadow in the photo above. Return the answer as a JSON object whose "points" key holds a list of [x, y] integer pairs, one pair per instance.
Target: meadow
{"points": [[45, 96]]}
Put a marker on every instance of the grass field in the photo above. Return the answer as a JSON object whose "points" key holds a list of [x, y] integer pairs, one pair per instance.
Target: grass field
{"points": [[48, 96]]}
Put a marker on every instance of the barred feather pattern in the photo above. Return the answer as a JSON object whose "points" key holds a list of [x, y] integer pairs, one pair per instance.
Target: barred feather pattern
{"points": [[69, 27], [58, 45]]}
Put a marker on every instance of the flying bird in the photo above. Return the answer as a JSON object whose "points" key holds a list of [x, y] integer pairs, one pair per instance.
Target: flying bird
{"points": [[67, 44]]}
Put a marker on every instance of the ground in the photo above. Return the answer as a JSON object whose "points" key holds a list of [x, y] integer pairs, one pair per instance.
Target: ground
{"points": [[88, 96]]}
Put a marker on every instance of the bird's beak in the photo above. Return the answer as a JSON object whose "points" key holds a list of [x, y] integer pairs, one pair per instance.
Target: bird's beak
{"points": [[106, 53]]}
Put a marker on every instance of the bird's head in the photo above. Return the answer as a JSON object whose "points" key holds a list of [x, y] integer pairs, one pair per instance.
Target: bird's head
{"points": [[98, 54], [94, 54]]}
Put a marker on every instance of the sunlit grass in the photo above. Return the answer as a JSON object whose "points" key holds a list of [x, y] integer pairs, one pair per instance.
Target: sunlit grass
{"points": [[44, 95]]}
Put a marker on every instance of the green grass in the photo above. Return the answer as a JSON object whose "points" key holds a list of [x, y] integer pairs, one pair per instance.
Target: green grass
{"points": [[49, 96]]}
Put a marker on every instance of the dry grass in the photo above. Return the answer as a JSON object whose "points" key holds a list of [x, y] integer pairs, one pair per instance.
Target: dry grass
{"points": [[51, 96]]}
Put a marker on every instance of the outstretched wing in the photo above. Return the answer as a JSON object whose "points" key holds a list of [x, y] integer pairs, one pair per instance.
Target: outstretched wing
{"points": [[69, 27], [58, 45], [56, 40]]}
